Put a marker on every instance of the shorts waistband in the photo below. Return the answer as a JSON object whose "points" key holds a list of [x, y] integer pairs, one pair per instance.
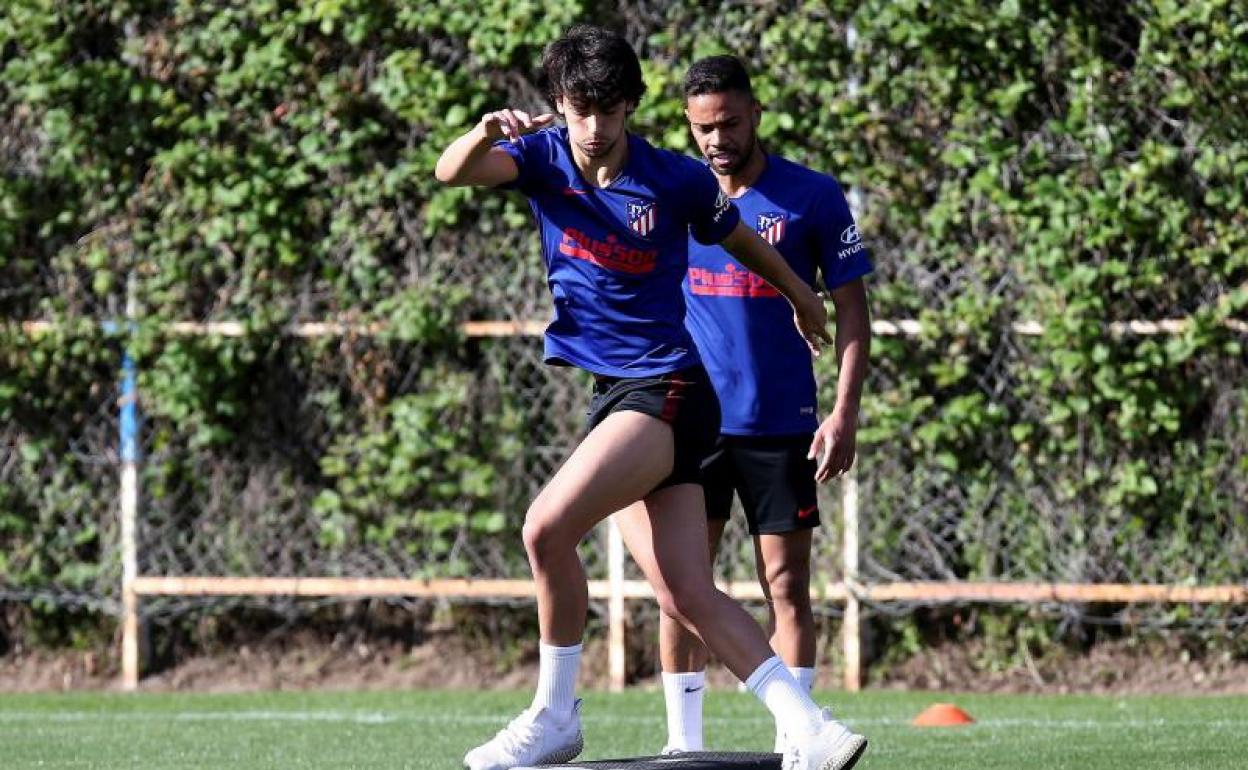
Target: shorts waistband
{"points": [[604, 380]]}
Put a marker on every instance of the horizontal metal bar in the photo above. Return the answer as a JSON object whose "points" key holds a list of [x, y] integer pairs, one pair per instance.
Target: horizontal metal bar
{"points": [[1126, 593], [933, 592], [905, 327]]}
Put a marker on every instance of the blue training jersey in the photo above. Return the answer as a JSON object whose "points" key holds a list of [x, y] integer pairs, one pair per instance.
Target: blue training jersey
{"points": [[758, 362], [616, 257]]}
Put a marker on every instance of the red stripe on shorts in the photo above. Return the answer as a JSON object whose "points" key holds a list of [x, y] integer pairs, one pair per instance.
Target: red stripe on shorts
{"points": [[671, 402]]}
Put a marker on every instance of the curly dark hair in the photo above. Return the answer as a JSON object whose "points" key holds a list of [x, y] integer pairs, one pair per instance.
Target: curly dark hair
{"points": [[591, 66], [717, 75]]}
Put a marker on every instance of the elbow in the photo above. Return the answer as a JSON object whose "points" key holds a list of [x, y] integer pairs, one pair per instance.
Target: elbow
{"points": [[448, 171], [444, 174]]}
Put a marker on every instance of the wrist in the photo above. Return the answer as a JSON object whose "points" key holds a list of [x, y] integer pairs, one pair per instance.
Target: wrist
{"points": [[797, 292], [481, 134], [846, 409]]}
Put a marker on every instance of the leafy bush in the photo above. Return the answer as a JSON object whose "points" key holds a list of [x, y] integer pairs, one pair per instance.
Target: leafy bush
{"points": [[270, 163]]}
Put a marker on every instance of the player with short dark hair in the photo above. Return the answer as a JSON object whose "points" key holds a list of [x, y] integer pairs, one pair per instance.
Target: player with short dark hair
{"points": [[615, 215], [762, 373]]}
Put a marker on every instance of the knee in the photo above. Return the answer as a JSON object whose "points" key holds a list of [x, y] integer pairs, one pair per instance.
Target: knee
{"points": [[668, 605], [542, 535], [789, 588], [689, 604]]}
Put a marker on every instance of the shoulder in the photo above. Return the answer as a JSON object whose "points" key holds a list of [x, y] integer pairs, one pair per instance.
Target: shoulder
{"points": [[808, 180], [543, 147], [667, 167], [816, 194], [679, 160], [543, 159], [546, 142]]}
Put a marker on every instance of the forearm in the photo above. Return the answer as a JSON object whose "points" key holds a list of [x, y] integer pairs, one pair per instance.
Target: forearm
{"points": [[455, 166], [853, 346], [761, 258]]}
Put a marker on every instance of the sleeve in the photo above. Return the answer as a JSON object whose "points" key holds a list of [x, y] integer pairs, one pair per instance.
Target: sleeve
{"points": [[712, 216], [843, 257], [530, 154]]}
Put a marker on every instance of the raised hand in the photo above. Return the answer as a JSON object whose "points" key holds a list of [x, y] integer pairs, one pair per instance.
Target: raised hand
{"points": [[512, 124]]}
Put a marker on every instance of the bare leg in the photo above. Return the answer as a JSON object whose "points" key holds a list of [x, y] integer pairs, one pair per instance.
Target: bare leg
{"points": [[621, 459], [667, 535], [680, 650], [783, 563]]}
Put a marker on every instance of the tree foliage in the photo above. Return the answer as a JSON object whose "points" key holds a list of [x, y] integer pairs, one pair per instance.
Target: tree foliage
{"points": [[271, 162]]}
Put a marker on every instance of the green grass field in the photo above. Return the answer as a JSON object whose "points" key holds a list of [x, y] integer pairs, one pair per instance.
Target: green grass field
{"points": [[432, 730]]}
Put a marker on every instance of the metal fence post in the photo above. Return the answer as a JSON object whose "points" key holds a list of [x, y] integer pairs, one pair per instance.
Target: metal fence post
{"points": [[128, 425], [851, 630]]}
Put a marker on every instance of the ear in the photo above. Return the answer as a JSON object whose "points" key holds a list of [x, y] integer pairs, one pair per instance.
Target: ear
{"points": [[758, 113], [559, 106]]}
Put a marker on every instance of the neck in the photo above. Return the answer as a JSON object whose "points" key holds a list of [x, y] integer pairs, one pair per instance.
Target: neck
{"points": [[737, 183], [600, 171]]}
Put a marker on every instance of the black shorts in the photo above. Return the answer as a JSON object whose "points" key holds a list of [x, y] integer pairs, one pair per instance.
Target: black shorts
{"points": [[772, 476], [684, 399]]}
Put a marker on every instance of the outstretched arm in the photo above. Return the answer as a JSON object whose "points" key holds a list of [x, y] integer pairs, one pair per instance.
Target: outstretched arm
{"points": [[760, 257], [835, 441], [473, 160]]}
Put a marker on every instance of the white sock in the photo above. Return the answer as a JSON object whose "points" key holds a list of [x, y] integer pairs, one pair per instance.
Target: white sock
{"points": [[787, 701], [806, 680], [804, 676], [683, 694], [556, 679]]}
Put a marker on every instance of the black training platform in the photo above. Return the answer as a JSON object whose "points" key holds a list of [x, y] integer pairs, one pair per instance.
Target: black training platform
{"points": [[689, 760]]}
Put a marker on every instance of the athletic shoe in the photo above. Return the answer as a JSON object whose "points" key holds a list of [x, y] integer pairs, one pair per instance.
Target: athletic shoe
{"points": [[782, 743], [833, 746], [671, 751], [533, 738]]}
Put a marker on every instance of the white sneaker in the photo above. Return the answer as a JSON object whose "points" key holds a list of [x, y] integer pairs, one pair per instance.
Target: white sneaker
{"points": [[671, 751], [533, 738], [782, 743], [832, 747]]}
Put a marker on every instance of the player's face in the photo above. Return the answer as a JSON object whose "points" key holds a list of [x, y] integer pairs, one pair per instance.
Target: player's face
{"points": [[594, 130], [725, 126]]}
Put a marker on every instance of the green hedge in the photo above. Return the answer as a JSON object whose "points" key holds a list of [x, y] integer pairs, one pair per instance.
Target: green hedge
{"points": [[270, 162]]}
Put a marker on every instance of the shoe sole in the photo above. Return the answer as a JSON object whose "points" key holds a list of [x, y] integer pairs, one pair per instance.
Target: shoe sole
{"points": [[554, 758], [564, 755], [849, 762]]}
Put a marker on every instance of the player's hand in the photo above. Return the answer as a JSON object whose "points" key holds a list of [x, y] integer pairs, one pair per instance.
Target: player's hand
{"points": [[512, 124], [834, 445], [811, 318]]}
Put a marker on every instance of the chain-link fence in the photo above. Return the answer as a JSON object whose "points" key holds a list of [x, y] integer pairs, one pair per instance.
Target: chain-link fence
{"points": [[299, 481], [59, 476]]}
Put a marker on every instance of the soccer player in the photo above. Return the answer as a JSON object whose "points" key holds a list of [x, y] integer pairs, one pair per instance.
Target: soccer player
{"points": [[615, 214], [760, 368]]}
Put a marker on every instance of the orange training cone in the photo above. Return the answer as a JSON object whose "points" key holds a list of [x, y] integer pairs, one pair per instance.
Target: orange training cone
{"points": [[942, 715]]}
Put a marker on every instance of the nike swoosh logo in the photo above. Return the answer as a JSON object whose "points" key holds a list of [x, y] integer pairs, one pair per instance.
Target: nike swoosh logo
{"points": [[571, 191], [804, 512], [693, 689]]}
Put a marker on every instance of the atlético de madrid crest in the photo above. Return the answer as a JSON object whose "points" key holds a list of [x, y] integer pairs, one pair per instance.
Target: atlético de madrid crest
{"points": [[771, 226], [642, 217]]}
